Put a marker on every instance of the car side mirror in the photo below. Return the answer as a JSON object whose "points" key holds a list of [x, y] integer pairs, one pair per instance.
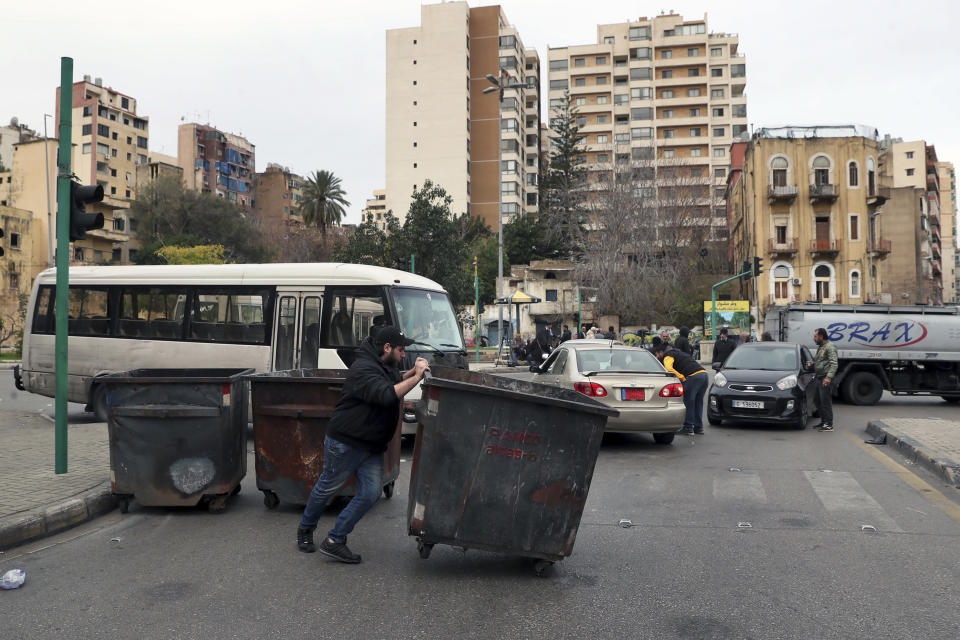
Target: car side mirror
{"points": [[808, 365], [534, 369], [717, 366]]}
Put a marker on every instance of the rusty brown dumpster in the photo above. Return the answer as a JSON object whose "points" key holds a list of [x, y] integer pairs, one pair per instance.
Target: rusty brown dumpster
{"points": [[502, 465], [290, 413]]}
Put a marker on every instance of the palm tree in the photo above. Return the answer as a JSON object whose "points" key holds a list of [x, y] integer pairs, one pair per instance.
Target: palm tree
{"points": [[323, 201]]}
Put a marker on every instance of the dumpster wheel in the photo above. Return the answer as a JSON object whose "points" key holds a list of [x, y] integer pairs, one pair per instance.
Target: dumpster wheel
{"points": [[539, 566], [270, 499], [424, 548], [124, 503], [217, 503], [388, 489]]}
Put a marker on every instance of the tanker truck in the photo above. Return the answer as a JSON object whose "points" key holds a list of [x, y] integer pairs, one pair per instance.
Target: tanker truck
{"points": [[905, 350]]}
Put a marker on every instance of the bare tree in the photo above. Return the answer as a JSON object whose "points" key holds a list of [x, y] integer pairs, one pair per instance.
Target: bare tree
{"points": [[649, 244]]}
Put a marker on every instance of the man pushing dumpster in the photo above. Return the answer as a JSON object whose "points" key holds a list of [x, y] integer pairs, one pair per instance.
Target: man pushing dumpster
{"points": [[363, 423]]}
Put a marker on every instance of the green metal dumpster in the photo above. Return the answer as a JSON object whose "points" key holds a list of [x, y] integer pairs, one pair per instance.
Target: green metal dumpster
{"points": [[502, 464], [290, 414], [177, 436]]}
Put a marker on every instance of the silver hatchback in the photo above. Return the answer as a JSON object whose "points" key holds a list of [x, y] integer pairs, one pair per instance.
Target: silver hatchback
{"points": [[629, 379]]}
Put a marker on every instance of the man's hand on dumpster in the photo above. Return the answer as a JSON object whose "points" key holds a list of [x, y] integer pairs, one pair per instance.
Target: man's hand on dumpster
{"points": [[420, 366]]}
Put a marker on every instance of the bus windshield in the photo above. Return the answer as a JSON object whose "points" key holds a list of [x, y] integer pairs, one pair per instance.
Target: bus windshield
{"points": [[428, 318]]}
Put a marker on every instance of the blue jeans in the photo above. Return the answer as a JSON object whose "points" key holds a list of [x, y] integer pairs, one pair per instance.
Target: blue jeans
{"points": [[694, 388], [340, 461]]}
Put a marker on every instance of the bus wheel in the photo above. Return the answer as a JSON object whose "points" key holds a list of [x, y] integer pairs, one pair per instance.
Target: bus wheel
{"points": [[99, 402], [863, 388]]}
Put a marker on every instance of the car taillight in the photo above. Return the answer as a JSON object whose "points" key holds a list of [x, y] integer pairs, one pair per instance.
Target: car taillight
{"points": [[673, 390], [591, 389]]}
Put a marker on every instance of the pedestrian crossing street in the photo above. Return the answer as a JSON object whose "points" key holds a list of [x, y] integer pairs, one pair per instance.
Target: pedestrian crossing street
{"points": [[821, 499]]}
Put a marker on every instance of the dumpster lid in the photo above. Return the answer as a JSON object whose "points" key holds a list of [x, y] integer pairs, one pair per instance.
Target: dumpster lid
{"points": [[301, 376], [506, 386], [171, 376]]}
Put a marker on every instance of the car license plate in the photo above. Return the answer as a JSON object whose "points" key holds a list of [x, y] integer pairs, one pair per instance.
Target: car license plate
{"points": [[633, 394], [747, 404]]}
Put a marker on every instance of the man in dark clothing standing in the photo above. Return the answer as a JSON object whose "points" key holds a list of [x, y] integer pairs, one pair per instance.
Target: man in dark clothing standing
{"points": [[723, 347], [363, 423], [825, 367], [566, 334], [694, 379], [682, 342]]}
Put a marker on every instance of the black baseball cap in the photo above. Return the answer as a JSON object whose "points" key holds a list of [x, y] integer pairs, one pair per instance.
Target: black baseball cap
{"points": [[392, 336]]}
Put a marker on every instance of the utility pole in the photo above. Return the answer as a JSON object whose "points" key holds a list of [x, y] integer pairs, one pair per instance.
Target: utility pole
{"points": [[476, 307], [63, 261]]}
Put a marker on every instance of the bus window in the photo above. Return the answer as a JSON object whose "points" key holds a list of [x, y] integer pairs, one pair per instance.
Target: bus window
{"points": [[286, 338], [43, 318], [310, 343], [87, 312], [352, 314], [152, 313], [228, 317]]}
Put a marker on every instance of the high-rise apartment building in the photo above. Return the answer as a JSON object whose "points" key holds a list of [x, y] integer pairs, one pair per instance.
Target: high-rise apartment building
{"points": [[664, 93], [376, 209], [440, 126], [278, 192], [807, 200], [214, 161], [921, 268], [110, 140]]}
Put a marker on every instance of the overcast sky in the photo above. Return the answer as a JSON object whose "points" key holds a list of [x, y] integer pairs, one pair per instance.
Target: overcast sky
{"points": [[304, 81]]}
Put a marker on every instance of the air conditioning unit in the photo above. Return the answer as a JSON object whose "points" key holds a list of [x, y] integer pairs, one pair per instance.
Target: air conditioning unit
{"points": [[797, 282]]}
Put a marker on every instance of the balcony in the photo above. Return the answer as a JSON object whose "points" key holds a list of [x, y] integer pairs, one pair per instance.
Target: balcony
{"points": [[825, 247], [823, 192], [879, 196], [879, 247], [783, 193], [788, 248]]}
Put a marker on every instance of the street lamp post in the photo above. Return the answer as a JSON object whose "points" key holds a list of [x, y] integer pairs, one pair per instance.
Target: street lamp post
{"points": [[499, 87]]}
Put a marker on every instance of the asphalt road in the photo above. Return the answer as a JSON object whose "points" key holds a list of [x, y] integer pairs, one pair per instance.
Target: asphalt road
{"points": [[746, 532]]}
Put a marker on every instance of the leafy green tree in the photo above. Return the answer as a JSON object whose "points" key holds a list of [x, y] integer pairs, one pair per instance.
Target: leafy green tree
{"points": [[168, 213], [528, 238], [562, 198], [369, 245], [199, 254], [323, 201]]}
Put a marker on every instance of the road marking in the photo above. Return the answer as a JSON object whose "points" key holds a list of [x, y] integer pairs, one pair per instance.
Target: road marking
{"points": [[841, 494], [920, 485], [745, 486]]}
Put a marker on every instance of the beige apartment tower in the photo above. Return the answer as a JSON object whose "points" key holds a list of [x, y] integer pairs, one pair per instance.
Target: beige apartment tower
{"points": [[442, 127], [662, 92]]}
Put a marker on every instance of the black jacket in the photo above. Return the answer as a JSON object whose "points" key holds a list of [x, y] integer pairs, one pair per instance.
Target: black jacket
{"points": [[722, 349], [368, 410]]}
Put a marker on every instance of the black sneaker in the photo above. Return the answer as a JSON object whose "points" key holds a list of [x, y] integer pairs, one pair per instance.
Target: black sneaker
{"points": [[825, 427], [305, 540], [685, 432], [338, 551], [699, 433]]}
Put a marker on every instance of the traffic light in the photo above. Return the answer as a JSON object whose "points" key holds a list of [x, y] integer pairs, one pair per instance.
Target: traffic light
{"points": [[403, 264], [757, 266], [745, 270], [80, 220]]}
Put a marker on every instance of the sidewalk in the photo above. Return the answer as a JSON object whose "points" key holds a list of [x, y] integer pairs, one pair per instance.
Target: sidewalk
{"points": [[36, 502], [931, 442]]}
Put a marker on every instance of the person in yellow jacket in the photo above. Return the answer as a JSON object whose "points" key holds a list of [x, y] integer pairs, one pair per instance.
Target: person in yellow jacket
{"points": [[695, 381]]}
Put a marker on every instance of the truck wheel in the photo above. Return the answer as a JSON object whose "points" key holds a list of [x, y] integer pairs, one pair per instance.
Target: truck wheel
{"points": [[863, 388]]}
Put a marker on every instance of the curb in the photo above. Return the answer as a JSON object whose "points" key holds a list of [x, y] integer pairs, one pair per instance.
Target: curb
{"points": [[46, 521], [946, 468]]}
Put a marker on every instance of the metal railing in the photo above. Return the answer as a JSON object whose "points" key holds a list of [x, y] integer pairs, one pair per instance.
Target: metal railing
{"points": [[821, 245]]}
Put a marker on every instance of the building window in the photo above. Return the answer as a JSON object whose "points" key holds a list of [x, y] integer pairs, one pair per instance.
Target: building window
{"points": [[695, 112], [909, 172], [551, 295], [601, 60], [603, 119], [716, 93], [666, 94], [103, 130], [716, 51], [86, 148], [666, 53], [693, 93], [693, 73], [695, 132], [871, 177], [854, 284], [559, 84], [86, 129], [821, 171], [739, 111], [666, 73], [716, 72], [641, 73], [669, 153], [738, 70], [853, 175], [579, 62], [603, 139], [696, 152], [720, 172], [909, 153], [778, 168], [641, 113], [718, 132], [719, 152], [781, 232], [638, 93], [579, 82], [854, 227], [621, 138], [693, 52], [601, 79], [639, 33], [669, 133], [559, 65], [641, 133], [666, 113], [717, 112]]}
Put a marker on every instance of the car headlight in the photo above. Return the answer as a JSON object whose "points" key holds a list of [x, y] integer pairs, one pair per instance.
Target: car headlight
{"points": [[720, 380], [787, 383]]}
